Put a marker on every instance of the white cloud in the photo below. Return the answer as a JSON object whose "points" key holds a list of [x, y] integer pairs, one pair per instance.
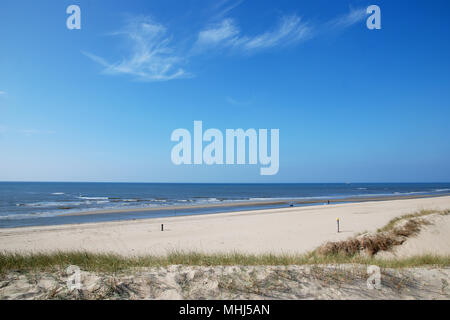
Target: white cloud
{"points": [[348, 20], [154, 57], [2, 93], [224, 31], [151, 57], [290, 30], [223, 7]]}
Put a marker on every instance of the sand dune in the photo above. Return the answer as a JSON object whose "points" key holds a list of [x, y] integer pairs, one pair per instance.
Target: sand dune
{"points": [[233, 282], [433, 238]]}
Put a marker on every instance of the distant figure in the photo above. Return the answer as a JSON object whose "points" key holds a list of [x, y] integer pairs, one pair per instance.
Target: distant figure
{"points": [[328, 202], [291, 204]]}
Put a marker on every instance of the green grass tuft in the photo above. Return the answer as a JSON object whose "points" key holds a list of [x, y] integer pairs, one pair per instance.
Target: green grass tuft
{"points": [[13, 262]]}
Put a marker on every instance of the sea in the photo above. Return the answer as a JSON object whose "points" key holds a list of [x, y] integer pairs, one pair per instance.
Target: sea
{"points": [[52, 203]]}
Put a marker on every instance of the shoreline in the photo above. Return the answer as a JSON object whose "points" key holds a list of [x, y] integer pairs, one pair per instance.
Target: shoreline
{"points": [[286, 230], [260, 203], [130, 214]]}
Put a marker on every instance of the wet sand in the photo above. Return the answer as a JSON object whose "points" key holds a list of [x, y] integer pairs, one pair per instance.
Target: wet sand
{"points": [[252, 204]]}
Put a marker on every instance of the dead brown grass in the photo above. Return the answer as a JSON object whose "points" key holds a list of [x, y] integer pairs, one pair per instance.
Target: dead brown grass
{"points": [[393, 234]]}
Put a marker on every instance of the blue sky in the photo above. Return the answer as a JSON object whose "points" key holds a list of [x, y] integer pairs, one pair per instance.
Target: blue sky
{"points": [[100, 103]]}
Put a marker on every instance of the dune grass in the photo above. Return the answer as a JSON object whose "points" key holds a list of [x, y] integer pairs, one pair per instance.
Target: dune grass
{"points": [[115, 263], [391, 225], [395, 233]]}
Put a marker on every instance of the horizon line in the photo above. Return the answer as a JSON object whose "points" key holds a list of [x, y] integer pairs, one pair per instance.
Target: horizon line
{"points": [[133, 182]]}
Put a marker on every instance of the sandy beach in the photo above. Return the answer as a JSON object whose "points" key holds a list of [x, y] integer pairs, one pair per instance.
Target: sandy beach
{"points": [[287, 230]]}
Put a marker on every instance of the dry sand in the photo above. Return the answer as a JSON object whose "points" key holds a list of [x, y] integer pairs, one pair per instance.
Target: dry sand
{"points": [[287, 230], [233, 282]]}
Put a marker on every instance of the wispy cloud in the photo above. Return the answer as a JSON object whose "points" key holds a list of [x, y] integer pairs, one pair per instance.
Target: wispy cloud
{"points": [[2, 93], [290, 30], [347, 20], [151, 56], [225, 32], [155, 56], [223, 8]]}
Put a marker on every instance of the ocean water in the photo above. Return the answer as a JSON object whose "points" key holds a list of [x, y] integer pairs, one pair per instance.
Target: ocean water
{"points": [[27, 204]]}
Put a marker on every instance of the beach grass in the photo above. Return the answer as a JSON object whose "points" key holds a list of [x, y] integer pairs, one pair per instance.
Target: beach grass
{"points": [[13, 262], [422, 213], [394, 233]]}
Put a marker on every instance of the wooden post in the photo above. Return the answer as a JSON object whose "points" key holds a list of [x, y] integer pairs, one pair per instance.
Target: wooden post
{"points": [[337, 220], [162, 227]]}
